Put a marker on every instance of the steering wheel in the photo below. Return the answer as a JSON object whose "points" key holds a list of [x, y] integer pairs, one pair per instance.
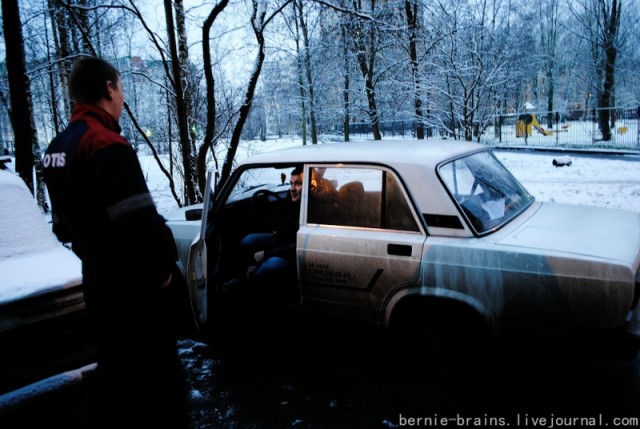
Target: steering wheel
{"points": [[262, 204]]}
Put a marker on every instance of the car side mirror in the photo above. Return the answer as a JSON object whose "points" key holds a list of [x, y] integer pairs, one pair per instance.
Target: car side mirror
{"points": [[193, 214]]}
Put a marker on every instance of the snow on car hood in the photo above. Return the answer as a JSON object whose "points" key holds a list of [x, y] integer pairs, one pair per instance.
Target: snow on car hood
{"points": [[32, 260], [581, 230], [38, 273]]}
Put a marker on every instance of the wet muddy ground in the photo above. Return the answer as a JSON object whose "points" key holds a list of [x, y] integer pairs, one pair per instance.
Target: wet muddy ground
{"points": [[300, 374], [333, 376]]}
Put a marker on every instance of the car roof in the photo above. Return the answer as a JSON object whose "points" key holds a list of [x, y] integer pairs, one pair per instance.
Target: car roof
{"points": [[427, 153]]}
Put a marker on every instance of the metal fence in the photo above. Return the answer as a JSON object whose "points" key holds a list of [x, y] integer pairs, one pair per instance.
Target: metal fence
{"points": [[570, 129], [575, 128]]}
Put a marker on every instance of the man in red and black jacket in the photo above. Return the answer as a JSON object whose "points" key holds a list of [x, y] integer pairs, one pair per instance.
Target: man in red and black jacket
{"points": [[102, 206]]}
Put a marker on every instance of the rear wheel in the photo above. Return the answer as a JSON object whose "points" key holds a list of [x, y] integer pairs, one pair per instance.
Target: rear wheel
{"points": [[446, 340], [449, 344]]}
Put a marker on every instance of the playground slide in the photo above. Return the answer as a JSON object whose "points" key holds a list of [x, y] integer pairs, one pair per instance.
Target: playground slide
{"points": [[542, 130]]}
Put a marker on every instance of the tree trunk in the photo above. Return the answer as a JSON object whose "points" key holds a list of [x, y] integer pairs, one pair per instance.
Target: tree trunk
{"points": [[345, 92], [373, 108], [88, 30], [21, 113], [366, 67], [210, 125], [301, 88], [411, 10], [364, 43], [303, 105], [61, 43], [550, 91], [307, 68], [181, 109], [608, 88], [609, 26]]}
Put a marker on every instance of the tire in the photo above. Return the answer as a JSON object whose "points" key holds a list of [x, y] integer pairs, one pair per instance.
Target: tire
{"points": [[444, 339], [448, 345]]}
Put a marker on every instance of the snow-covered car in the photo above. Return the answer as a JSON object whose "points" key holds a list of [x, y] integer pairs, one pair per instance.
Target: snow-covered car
{"points": [[434, 240], [41, 287]]}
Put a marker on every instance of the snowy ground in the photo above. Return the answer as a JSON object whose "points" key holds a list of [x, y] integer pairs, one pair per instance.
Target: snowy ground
{"points": [[607, 181]]}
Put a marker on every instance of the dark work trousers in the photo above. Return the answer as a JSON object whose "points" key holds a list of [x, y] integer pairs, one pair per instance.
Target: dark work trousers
{"points": [[138, 373]]}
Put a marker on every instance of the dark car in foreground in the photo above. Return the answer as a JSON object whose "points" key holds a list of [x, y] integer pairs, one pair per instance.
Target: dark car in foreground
{"points": [[43, 323]]}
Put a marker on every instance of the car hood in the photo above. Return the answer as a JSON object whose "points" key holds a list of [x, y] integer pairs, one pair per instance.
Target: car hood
{"points": [[38, 273], [580, 230]]}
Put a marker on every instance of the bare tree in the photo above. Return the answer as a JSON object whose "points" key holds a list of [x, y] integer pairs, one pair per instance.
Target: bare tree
{"points": [[21, 111], [259, 21], [548, 21], [73, 11], [364, 36], [59, 65], [471, 68], [301, 86], [347, 84], [306, 62], [601, 23], [303, 69], [412, 14], [210, 124], [181, 106]]}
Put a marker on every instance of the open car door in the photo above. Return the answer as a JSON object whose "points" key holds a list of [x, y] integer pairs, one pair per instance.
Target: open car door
{"points": [[197, 263]]}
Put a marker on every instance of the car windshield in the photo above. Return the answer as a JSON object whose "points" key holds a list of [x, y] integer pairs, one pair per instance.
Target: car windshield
{"points": [[486, 192], [275, 179]]}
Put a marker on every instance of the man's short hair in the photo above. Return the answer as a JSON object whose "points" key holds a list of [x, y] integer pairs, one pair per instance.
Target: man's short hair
{"points": [[88, 79], [297, 171]]}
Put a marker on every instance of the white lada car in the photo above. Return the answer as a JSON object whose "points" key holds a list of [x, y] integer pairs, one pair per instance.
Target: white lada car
{"points": [[434, 240]]}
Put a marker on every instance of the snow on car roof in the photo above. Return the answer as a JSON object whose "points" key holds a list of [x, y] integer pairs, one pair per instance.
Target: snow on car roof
{"points": [[425, 152], [23, 228], [32, 260]]}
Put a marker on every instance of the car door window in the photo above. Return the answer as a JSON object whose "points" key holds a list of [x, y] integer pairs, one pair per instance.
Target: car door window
{"points": [[364, 197]]}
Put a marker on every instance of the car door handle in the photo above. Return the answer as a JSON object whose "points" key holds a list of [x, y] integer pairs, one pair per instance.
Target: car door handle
{"points": [[399, 249]]}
